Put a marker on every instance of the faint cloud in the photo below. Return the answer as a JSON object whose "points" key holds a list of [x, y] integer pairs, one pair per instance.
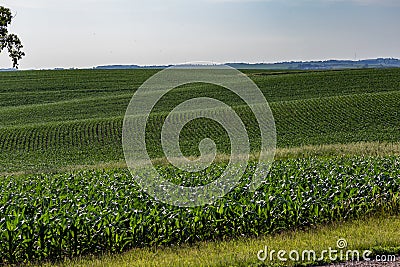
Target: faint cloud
{"points": [[29, 4], [358, 2], [370, 2], [26, 3]]}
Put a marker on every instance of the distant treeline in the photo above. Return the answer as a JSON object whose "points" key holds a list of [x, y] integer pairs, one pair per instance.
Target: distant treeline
{"points": [[292, 65]]}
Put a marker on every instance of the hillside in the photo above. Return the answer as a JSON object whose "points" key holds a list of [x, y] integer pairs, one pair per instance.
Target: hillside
{"points": [[54, 118], [292, 65]]}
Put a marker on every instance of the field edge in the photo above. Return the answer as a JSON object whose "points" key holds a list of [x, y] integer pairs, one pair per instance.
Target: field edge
{"points": [[377, 234]]}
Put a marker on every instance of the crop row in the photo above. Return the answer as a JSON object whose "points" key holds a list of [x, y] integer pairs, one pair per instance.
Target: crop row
{"points": [[73, 95], [63, 135], [353, 118], [52, 82], [34, 87], [50, 217]]}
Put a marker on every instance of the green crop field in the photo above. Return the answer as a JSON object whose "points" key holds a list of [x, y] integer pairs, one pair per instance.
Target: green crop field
{"points": [[94, 212], [53, 119], [65, 191]]}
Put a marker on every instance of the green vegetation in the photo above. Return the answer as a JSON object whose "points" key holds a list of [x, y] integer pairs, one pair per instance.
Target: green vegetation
{"points": [[68, 193], [93, 212], [52, 119], [9, 40], [367, 233]]}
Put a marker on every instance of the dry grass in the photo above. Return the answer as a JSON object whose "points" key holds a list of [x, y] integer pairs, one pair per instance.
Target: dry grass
{"points": [[373, 149]]}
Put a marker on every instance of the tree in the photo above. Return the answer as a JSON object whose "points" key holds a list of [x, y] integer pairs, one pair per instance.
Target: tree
{"points": [[9, 40]]}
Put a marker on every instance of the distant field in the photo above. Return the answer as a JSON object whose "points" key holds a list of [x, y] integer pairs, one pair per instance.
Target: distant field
{"points": [[50, 119]]}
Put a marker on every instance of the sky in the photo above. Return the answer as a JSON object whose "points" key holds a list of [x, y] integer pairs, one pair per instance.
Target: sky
{"points": [[88, 33]]}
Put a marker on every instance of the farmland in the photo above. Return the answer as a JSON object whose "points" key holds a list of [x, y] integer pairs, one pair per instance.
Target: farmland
{"points": [[50, 120], [58, 128], [98, 211]]}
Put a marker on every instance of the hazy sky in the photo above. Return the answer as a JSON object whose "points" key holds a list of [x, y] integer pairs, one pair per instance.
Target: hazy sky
{"points": [[87, 33]]}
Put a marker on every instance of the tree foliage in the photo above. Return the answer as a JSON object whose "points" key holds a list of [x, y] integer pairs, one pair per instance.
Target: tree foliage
{"points": [[9, 40]]}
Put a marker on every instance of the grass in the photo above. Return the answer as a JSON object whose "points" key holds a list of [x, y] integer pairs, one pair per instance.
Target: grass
{"points": [[375, 149], [373, 234], [362, 149]]}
